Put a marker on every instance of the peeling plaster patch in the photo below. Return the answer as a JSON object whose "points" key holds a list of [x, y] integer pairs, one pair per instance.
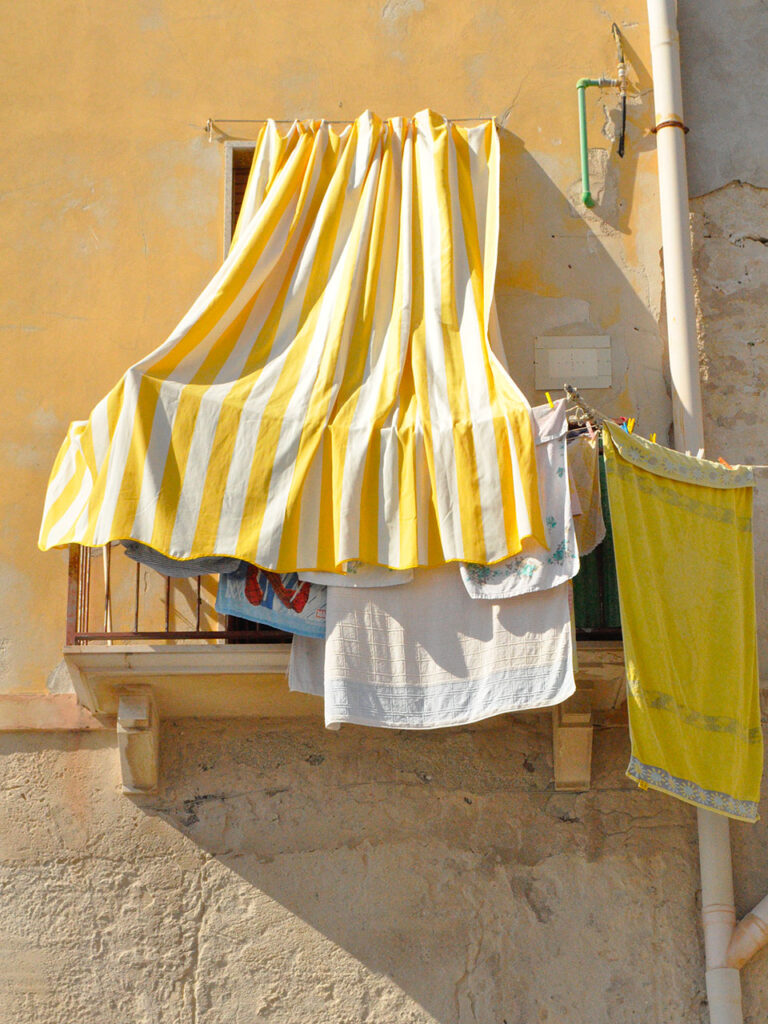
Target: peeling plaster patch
{"points": [[153, 21], [59, 680], [393, 10], [46, 420], [25, 456], [184, 195]]}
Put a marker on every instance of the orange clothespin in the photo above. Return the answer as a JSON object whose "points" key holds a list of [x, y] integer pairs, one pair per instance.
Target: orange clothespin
{"points": [[722, 461], [549, 399]]}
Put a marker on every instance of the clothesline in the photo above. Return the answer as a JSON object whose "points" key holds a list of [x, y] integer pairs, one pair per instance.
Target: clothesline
{"points": [[217, 134], [587, 412]]}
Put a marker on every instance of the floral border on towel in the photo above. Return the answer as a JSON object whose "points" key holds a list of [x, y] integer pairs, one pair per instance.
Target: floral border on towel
{"points": [[691, 792], [660, 491], [658, 700], [675, 465]]}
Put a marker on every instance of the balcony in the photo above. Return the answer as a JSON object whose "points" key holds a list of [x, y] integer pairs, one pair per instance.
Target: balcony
{"points": [[142, 646]]}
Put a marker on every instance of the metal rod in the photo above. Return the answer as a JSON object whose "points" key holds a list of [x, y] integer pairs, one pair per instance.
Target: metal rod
{"points": [[265, 636], [87, 588], [213, 121], [590, 412], [167, 604], [212, 124], [107, 552], [199, 602], [81, 623], [136, 602], [73, 593]]}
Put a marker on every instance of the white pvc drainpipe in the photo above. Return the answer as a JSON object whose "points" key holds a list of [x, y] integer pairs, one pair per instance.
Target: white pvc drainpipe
{"points": [[727, 949]]}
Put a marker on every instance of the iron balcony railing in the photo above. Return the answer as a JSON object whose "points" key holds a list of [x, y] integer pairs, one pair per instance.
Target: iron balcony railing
{"points": [[127, 602]]}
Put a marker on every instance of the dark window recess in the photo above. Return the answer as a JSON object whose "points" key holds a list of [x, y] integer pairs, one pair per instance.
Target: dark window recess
{"points": [[242, 158], [255, 632], [595, 590]]}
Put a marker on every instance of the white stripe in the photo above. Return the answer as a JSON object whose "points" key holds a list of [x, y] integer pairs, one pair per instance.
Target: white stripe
{"points": [[437, 387], [389, 497], [212, 402], [472, 349], [59, 531], [385, 324], [423, 491], [346, 249], [308, 539], [522, 512], [66, 471]]}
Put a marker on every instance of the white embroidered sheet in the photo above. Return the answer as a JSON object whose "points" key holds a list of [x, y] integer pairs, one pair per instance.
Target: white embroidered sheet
{"points": [[426, 655], [535, 567]]}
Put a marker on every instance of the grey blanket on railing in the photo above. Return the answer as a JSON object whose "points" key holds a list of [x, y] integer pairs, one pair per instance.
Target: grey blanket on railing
{"points": [[178, 568]]}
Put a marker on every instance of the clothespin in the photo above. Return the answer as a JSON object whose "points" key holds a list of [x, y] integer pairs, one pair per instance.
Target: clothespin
{"points": [[549, 399], [653, 437], [591, 432], [700, 453], [722, 461], [630, 424], [622, 422]]}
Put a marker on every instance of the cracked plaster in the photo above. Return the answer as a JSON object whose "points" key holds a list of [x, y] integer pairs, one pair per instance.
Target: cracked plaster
{"points": [[284, 873]]}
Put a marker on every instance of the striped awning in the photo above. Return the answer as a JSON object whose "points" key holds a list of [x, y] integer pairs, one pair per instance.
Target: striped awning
{"points": [[332, 394]]}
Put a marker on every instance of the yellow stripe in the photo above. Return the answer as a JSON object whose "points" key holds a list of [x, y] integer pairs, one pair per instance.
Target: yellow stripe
{"points": [[278, 403], [471, 516], [347, 399], [318, 411]]}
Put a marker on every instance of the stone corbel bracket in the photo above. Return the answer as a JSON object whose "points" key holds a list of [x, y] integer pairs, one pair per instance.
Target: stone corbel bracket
{"points": [[138, 739], [572, 743]]}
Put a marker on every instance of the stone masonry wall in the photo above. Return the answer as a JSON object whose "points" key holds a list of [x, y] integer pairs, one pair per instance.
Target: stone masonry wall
{"points": [[286, 874]]}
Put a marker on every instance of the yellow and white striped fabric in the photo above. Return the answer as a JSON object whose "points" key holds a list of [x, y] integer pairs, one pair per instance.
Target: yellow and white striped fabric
{"points": [[332, 395]]}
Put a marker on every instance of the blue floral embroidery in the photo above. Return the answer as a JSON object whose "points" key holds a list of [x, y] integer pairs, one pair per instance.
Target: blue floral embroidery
{"points": [[685, 789], [558, 555]]}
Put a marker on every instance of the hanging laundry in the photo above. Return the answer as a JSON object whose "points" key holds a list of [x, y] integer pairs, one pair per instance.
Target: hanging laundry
{"points": [[537, 567], [584, 485], [333, 393], [282, 601], [179, 568], [357, 574], [682, 533], [426, 655]]}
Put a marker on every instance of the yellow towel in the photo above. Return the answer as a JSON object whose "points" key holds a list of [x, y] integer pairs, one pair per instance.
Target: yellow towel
{"points": [[682, 531]]}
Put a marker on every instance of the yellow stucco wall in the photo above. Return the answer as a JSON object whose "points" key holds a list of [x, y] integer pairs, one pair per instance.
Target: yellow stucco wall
{"points": [[113, 199]]}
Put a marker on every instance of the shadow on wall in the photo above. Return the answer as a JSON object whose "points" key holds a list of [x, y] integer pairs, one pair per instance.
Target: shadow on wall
{"points": [[566, 271], [429, 877]]}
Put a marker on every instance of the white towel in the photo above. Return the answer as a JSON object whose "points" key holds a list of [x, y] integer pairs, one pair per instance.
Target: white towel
{"points": [[426, 655], [535, 567], [358, 574]]}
